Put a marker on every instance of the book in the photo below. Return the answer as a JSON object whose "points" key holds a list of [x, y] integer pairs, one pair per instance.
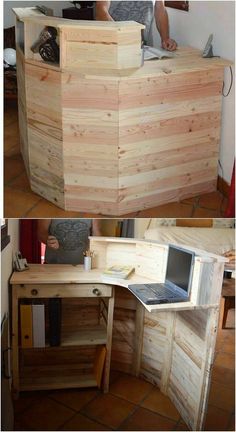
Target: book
{"points": [[118, 271], [26, 325], [152, 53], [54, 312], [38, 315]]}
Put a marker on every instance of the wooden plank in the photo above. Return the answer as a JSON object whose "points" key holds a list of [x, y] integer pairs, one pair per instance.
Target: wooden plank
{"points": [[15, 343], [139, 320], [22, 107], [108, 343], [55, 382], [99, 364], [84, 336]]}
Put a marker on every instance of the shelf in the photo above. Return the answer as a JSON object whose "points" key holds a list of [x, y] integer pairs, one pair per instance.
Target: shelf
{"points": [[84, 336], [46, 378], [58, 376]]}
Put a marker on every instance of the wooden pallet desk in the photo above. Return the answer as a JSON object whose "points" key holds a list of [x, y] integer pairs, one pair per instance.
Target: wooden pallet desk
{"points": [[170, 345], [102, 133]]}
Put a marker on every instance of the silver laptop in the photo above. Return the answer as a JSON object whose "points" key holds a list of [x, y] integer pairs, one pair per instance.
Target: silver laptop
{"points": [[178, 280]]}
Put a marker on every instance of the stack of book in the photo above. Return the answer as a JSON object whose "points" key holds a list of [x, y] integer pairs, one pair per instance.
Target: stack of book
{"points": [[118, 272], [32, 324]]}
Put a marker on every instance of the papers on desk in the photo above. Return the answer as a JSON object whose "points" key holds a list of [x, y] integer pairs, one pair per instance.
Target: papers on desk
{"points": [[152, 53]]}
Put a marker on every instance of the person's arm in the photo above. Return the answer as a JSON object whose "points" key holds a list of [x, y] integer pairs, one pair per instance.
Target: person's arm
{"points": [[43, 237], [102, 11], [96, 227], [162, 23]]}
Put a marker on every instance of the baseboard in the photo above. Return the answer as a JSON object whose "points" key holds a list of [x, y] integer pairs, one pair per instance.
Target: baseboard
{"points": [[223, 186]]}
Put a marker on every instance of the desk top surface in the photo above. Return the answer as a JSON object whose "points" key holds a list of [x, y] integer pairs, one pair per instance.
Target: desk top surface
{"points": [[69, 274], [187, 59]]}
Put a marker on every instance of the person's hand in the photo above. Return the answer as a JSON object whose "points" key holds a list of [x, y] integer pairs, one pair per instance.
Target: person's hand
{"points": [[52, 242], [231, 255], [169, 44]]}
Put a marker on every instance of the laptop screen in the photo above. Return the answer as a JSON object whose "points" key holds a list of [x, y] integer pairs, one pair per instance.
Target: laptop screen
{"points": [[179, 267]]}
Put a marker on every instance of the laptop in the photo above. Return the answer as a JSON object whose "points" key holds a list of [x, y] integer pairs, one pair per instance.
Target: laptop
{"points": [[178, 280]]}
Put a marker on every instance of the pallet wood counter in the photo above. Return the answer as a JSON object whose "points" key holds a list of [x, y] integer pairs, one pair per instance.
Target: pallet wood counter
{"points": [[170, 345], [103, 133]]}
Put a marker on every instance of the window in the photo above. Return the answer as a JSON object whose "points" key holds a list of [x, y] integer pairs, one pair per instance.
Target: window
{"points": [[5, 238], [182, 5]]}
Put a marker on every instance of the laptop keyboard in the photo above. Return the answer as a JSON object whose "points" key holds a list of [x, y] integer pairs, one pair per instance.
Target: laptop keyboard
{"points": [[161, 292]]}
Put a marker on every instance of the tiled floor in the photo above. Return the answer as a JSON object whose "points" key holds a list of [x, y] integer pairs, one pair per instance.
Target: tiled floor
{"points": [[20, 201], [131, 404]]}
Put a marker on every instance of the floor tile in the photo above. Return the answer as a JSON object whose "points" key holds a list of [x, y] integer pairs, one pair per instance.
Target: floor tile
{"points": [[45, 415], [21, 182], [176, 210], [108, 410], [181, 426], [130, 388], [221, 396], [10, 113], [161, 404], [13, 167], [217, 419], [45, 209], [11, 139], [82, 423], [26, 399], [212, 201], [74, 399], [145, 420], [206, 213], [228, 360], [223, 376], [192, 201], [17, 203]]}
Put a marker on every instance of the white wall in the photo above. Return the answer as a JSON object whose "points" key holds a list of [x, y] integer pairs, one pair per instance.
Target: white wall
{"points": [[57, 7], [6, 262], [193, 28]]}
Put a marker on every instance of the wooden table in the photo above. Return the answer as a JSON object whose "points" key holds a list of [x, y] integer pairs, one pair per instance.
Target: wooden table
{"points": [[117, 136], [170, 345]]}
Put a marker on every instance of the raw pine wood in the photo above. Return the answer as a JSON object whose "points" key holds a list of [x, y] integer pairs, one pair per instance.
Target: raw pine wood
{"points": [[139, 320], [39, 382], [108, 344], [15, 343], [80, 336], [196, 223], [99, 365], [117, 136], [171, 345], [85, 336]]}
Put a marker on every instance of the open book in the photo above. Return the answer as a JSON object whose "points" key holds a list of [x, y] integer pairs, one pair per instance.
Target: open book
{"points": [[152, 53]]}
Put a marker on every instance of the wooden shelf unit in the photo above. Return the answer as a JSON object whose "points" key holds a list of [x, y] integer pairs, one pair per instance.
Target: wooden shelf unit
{"points": [[83, 356], [170, 345]]}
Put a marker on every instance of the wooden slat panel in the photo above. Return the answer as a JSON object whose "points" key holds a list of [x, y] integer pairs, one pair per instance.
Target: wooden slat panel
{"points": [[22, 108], [165, 89]]}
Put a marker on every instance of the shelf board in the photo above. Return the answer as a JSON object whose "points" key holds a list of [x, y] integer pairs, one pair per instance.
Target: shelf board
{"points": [[45, 378], [85, 336]]}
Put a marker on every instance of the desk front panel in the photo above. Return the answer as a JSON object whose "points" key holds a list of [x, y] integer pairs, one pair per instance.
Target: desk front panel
{"points": [[63, 290]]}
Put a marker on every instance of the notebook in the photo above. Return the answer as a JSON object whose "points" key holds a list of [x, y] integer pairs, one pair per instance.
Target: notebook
{"points": [[178, 279]]}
